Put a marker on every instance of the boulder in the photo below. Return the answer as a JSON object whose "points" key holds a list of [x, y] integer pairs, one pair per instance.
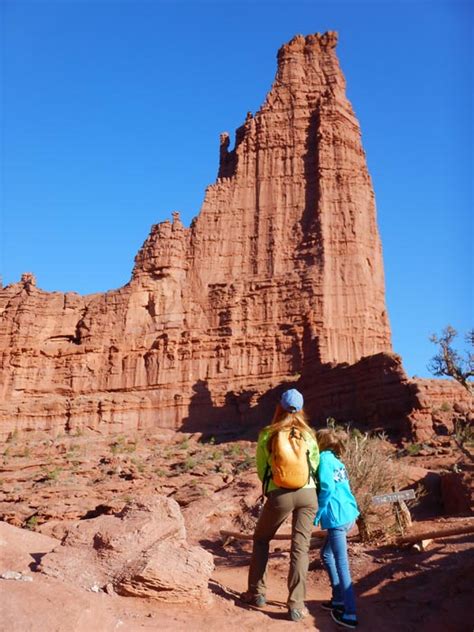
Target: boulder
{"points": [[457, 492], [140, 551]]}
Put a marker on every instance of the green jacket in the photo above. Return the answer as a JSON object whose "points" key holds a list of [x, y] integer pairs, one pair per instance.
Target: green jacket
{"points": [[263, 458]]}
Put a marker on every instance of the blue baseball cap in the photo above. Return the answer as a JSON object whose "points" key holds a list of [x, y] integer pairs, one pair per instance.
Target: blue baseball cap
{"points": [[292, 401]]}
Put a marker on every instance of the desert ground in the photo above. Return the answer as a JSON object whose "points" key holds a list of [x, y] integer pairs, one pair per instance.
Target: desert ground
{"points": [[50, 484]]}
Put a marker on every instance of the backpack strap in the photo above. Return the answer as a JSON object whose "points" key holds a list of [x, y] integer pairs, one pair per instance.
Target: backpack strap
{"points": [[266, 479], [268, 470], [312, 473]]}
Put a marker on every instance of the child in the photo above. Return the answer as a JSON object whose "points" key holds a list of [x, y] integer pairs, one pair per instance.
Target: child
{"points": [[337, 513]]}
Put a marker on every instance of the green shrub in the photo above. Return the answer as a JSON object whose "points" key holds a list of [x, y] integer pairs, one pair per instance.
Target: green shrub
{"points": [[247, 463], [32, 523], [234, 450], [53, 475], [413, 449], [216, 455], [138, 463], [187, 465], [121, 444]]}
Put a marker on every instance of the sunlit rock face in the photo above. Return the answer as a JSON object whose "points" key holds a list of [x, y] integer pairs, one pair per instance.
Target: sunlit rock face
{"points": [[279, 276]]}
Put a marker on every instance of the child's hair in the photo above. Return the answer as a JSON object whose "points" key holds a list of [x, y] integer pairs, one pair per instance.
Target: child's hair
{"points": [[283, 419], [331, 439]]}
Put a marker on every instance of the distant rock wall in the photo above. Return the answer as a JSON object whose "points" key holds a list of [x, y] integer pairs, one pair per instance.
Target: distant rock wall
{"points": [[279, 275]]}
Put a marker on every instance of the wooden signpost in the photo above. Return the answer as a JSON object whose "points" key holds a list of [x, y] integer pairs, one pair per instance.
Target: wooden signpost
{"points": [[394, 497], [402, 513]]}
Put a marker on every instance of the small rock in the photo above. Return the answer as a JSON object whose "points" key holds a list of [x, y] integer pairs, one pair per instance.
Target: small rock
{"points": [[19, 577], [444, 451], [461, 407], [109, 589], [424, 452], [445, 441]]}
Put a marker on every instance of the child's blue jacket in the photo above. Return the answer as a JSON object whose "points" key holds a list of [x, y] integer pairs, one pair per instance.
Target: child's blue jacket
{"points": [[337, 505]]}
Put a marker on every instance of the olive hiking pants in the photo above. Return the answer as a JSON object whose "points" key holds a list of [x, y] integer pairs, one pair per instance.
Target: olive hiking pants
{"points": [[280, 503]]}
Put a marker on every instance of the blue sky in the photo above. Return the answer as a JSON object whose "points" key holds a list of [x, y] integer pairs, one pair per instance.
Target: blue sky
{"points": [[111, 115]]}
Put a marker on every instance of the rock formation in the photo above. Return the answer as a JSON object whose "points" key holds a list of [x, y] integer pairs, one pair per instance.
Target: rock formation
{"points": [[142, 551], [279, 276]]}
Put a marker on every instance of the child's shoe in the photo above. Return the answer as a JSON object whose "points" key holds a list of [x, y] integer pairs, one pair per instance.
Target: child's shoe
{"points": [[347, 620], [332, 605]]}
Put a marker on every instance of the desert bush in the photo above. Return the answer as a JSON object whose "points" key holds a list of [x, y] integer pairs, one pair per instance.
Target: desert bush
{"points": [[412, 449], [233, 450], [246, 463], [122, 444], [464, 433], [187, 465], [216, 455], [52, 475], [32, 523], [372, 470], [139, 464]]}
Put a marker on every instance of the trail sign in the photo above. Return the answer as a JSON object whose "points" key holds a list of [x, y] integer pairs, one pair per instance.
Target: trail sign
{"points": [[395, 497]]}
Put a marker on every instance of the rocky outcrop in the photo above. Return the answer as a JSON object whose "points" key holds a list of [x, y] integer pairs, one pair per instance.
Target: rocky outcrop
{"points": [[142, 551], [438, 406], [279, 277], [280, 273]]}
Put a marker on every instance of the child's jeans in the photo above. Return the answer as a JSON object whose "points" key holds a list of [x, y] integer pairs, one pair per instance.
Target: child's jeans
{"points": [[336, 561]]}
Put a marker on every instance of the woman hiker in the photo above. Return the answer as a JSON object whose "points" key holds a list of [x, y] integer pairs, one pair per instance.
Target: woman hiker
{"points": [[287, 459]]}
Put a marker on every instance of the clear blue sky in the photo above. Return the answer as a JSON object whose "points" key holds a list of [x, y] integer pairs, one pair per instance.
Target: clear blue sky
{"points": [[111, 115]]}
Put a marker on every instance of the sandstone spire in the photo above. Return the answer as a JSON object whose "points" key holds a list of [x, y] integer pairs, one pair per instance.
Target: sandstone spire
{"points": [[296, 197]]}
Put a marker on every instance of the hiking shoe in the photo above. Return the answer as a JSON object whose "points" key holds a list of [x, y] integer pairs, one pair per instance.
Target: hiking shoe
{"points": [[343, 619], [296, 614], [331, 605], [252, 599]]}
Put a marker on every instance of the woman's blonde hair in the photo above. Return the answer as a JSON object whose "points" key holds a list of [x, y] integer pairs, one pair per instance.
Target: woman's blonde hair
{"points": [[283, 419], [331, 439]]}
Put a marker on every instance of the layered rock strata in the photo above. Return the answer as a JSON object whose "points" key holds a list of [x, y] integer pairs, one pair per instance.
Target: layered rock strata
{"points": [[279, 275]]}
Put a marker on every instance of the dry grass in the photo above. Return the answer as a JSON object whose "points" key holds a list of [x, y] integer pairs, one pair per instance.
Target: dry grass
{"points": [[372, 470]]}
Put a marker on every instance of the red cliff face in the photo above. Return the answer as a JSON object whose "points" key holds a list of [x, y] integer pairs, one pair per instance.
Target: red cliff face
{"points": [[280, 274]]}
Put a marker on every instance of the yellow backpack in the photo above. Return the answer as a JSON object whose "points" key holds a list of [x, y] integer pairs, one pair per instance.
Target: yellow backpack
{"points": [[290, 464]]}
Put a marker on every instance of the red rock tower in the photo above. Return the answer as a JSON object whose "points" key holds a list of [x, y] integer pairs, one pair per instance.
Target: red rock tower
{"points": [[297, 200], [280, 273]]}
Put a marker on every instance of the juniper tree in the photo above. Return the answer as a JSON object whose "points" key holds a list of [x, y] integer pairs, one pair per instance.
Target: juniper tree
{"points": [[449, 362]]}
